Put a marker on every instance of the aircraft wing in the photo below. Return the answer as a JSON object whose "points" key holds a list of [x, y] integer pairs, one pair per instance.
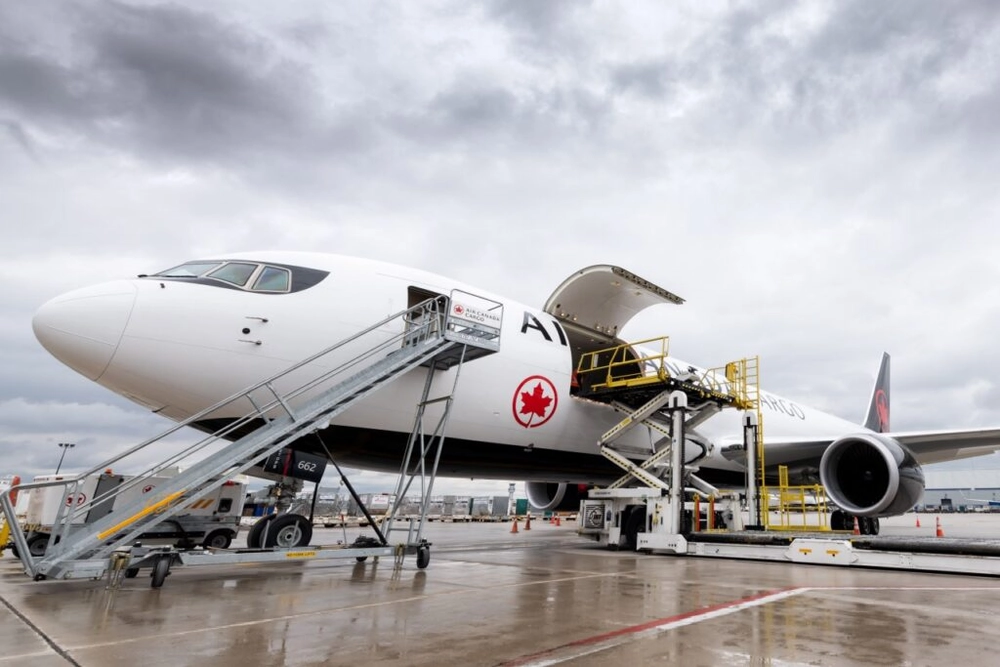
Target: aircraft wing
{"points": [[939, 446], [927, 446]]}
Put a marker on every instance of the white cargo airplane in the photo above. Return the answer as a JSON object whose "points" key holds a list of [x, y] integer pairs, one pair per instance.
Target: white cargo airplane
{"points": [[181, 340]]}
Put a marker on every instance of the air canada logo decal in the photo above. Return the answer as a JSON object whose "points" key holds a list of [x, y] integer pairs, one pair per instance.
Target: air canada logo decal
{"points": [[535, 401], [882, 407]]}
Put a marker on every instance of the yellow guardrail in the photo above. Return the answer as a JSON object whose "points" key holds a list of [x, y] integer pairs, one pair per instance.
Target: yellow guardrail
{"points": [[155, 507], [621, 367], [629, 365], [4, 534], [741, 382], [802, 507]]}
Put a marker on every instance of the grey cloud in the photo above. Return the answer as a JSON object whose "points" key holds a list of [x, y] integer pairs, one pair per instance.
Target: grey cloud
{"points": [[865, 65], [483, 108], [651, 78], [41, 378], [541, 19], [501, 118], [32, 431], [198, 85], [21, 138], [39, 88], [858, 28], [166, 79]]}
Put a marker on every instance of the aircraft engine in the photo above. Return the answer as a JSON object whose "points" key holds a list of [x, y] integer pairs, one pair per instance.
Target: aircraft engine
{"points": [[555, 497], [871, 475]]}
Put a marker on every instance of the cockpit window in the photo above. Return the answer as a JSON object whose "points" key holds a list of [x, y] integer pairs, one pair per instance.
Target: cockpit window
{"points": [[245, 275], [237, 273], [189, 270], [272, 279]]}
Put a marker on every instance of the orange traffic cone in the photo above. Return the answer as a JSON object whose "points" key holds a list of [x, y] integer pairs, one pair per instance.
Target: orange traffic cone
{"points": [[939, 531], [857, 528], [918, 521], [527, 523], [558, 521], [513, 527]]}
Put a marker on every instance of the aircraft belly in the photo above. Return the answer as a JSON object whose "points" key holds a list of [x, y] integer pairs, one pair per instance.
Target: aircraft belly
{"points": [[375, 449]]}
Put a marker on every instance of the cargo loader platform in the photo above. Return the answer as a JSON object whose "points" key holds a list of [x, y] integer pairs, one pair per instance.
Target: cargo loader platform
{"points": [[926, 554]]}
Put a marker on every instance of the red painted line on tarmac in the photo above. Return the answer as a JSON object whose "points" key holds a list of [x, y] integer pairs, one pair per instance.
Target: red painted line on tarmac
{"points": [[712, 611]]}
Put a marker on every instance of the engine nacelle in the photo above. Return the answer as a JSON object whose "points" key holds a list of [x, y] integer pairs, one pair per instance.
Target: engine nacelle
{"points": [[871, 475], [555, 497]]}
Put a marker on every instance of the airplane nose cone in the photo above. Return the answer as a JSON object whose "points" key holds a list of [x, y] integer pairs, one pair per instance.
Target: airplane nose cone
{"points": [[82, 328]]}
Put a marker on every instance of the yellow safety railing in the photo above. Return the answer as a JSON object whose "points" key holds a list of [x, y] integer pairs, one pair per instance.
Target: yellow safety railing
{"points": [[741, 381], [621, 366], [743, 377], [629, 366], [800, 507], [4, 534]]}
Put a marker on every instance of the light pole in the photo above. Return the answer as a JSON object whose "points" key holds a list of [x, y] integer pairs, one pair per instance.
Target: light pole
{"points": [[64, 446]]}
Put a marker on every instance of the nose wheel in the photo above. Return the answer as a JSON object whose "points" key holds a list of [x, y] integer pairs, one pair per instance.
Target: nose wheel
{"points": [[284, 531], [288, 531], [160, 572], [423, 556]]}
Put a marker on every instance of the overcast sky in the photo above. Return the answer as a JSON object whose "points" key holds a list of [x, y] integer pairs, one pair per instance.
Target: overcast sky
{"points": [[818, 180]]}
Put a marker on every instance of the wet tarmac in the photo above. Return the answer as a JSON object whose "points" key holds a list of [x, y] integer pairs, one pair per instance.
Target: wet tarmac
{"points": [[492, 598]]}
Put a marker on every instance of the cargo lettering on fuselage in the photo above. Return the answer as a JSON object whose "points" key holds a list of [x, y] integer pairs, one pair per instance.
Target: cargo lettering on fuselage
{"points": [[532, 322], [773, 403], [781, 405]]}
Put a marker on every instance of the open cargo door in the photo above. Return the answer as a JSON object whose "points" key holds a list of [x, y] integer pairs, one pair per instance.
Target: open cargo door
{"points": [[595, 303]]}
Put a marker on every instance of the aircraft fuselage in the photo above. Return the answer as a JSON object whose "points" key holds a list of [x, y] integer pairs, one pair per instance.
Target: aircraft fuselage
{"points": [[177, 346]]}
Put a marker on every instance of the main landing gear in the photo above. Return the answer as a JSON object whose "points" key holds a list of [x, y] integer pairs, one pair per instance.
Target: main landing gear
{"points": [[841, 520]]}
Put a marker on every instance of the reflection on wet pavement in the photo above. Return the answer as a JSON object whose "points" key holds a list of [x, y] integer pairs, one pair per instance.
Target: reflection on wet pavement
{"points": [[490, 598]]}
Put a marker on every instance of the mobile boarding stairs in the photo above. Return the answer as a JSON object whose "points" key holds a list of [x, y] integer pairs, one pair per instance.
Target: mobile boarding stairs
{"points": [[90, 539]]}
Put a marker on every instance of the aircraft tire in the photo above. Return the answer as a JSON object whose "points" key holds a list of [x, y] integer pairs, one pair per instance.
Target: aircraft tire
{"points": [[257, 530], [37, 544], [869, 525], [289, 531], [838, 520], [160, 572], [423, 557], [218, 539]]}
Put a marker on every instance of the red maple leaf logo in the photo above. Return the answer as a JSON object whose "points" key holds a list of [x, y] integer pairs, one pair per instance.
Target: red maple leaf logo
{"points": [[535, 402], [534, 407]]}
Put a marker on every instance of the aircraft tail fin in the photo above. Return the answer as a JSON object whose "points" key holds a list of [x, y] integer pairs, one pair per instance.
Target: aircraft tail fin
{"points": [[877, 418]]}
